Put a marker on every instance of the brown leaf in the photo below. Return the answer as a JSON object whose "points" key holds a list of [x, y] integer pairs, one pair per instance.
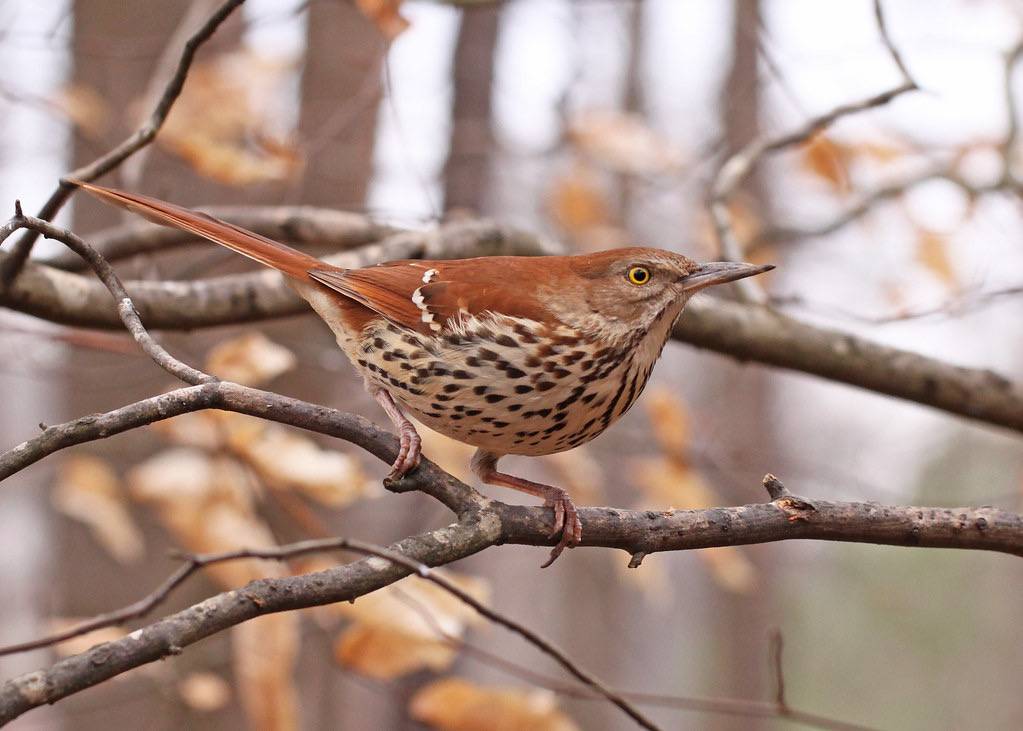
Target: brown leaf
{"points": [[251, 360], [223, 122], [578, 203], [204, 692], [453, 704], [669, 420], [623, 142], [403, 627], [86, 109], [385, 15], [88, 490], [206, 503], [265, 651], [200, 429], [932, 253], [286, 460], [387, 652], [827, 160]]}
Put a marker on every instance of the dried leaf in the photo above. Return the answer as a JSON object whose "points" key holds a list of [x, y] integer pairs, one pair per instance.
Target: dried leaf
{"points": [[285, 459], [206, 503], [453, 704], [387, 652], [88, 490], [932, 252], [624, 143], [202, 429], [578, 203], [669, 420], [86, 109], [385, 15], [251, 359], [205, 692], [403, 627], [265, 652], [223, 122], [827, 160]]}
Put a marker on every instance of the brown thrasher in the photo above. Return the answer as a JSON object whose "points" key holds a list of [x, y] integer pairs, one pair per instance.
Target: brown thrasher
{"points": [[513, 355]]}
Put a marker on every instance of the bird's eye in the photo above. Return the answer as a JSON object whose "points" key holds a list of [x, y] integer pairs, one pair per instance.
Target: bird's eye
{"points": [[638, 275]]}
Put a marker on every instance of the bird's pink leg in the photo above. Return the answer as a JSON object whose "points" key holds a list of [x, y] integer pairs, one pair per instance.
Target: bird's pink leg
{"points": [[566, 517], [409, 443]]}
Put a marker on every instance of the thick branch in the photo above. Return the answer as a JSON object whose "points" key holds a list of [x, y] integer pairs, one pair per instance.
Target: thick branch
{"points": [[170, 635], [748, 332], [758, 333], [633, 531]]}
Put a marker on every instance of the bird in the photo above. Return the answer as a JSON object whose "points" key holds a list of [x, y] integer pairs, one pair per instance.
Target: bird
{"points": [[513, 355]]}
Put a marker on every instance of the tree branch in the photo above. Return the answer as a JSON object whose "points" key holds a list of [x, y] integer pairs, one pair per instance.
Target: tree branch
{"points": [[497, 523], [745, 331], [11, 267]]}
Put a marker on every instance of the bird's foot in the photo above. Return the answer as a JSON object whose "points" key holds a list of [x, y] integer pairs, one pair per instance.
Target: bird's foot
{"points": [[566, 522], [409, 453]]}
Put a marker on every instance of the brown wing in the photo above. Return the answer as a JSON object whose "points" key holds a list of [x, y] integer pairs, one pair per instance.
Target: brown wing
{"points": [[428, 295]]}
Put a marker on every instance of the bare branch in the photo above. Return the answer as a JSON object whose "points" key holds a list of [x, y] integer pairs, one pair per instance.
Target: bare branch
{"points": [[11, 267], [893, 51], [195, 562], [758, 333], [734, 171], [747, 332], [170, 635], [125, 307], [723, 706], [496, 523]]}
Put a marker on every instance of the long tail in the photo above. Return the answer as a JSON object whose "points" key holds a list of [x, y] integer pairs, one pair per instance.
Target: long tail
{"points": [[266, 251]]}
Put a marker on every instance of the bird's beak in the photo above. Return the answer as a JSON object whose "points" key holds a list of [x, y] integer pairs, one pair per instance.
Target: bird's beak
{"points": [[721, 272]]}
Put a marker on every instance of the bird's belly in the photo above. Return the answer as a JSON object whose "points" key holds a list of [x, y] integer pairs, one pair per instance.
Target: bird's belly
{"points": [[500, 384]]}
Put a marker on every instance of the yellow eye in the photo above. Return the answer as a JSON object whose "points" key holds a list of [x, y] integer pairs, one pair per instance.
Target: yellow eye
{"points": [[639, 275]]}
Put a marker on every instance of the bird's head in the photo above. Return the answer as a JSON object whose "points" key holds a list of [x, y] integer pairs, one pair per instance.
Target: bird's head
{"points": [[625, 290]]}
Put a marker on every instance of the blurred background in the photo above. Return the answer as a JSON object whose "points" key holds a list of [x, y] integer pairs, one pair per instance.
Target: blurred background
{"points": [[595, 123]]}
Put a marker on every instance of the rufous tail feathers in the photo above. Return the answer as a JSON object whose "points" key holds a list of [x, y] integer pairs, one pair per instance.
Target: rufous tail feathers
{"points": [[266, 251]]}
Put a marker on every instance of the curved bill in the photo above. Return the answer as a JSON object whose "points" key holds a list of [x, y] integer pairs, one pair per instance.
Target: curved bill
{"points": [[721, 272]]}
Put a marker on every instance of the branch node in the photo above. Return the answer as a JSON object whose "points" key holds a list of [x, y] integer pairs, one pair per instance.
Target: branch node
{"points": [[774, 487], [18, 213], [795, 507], [637, 559]]}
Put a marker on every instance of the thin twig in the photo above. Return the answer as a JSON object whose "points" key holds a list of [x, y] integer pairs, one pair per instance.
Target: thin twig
{"points": [[775, 648], [893, 51], [740, 165], [713, 705], [125, 307], [136, 141], [280, 553]]}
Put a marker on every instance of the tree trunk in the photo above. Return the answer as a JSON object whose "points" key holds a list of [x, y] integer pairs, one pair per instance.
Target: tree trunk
{"points": [[468, 164]]}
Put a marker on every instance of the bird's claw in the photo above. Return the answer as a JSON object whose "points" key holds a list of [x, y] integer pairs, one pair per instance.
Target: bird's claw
{"points": [[566, 522], [409, 453]]}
